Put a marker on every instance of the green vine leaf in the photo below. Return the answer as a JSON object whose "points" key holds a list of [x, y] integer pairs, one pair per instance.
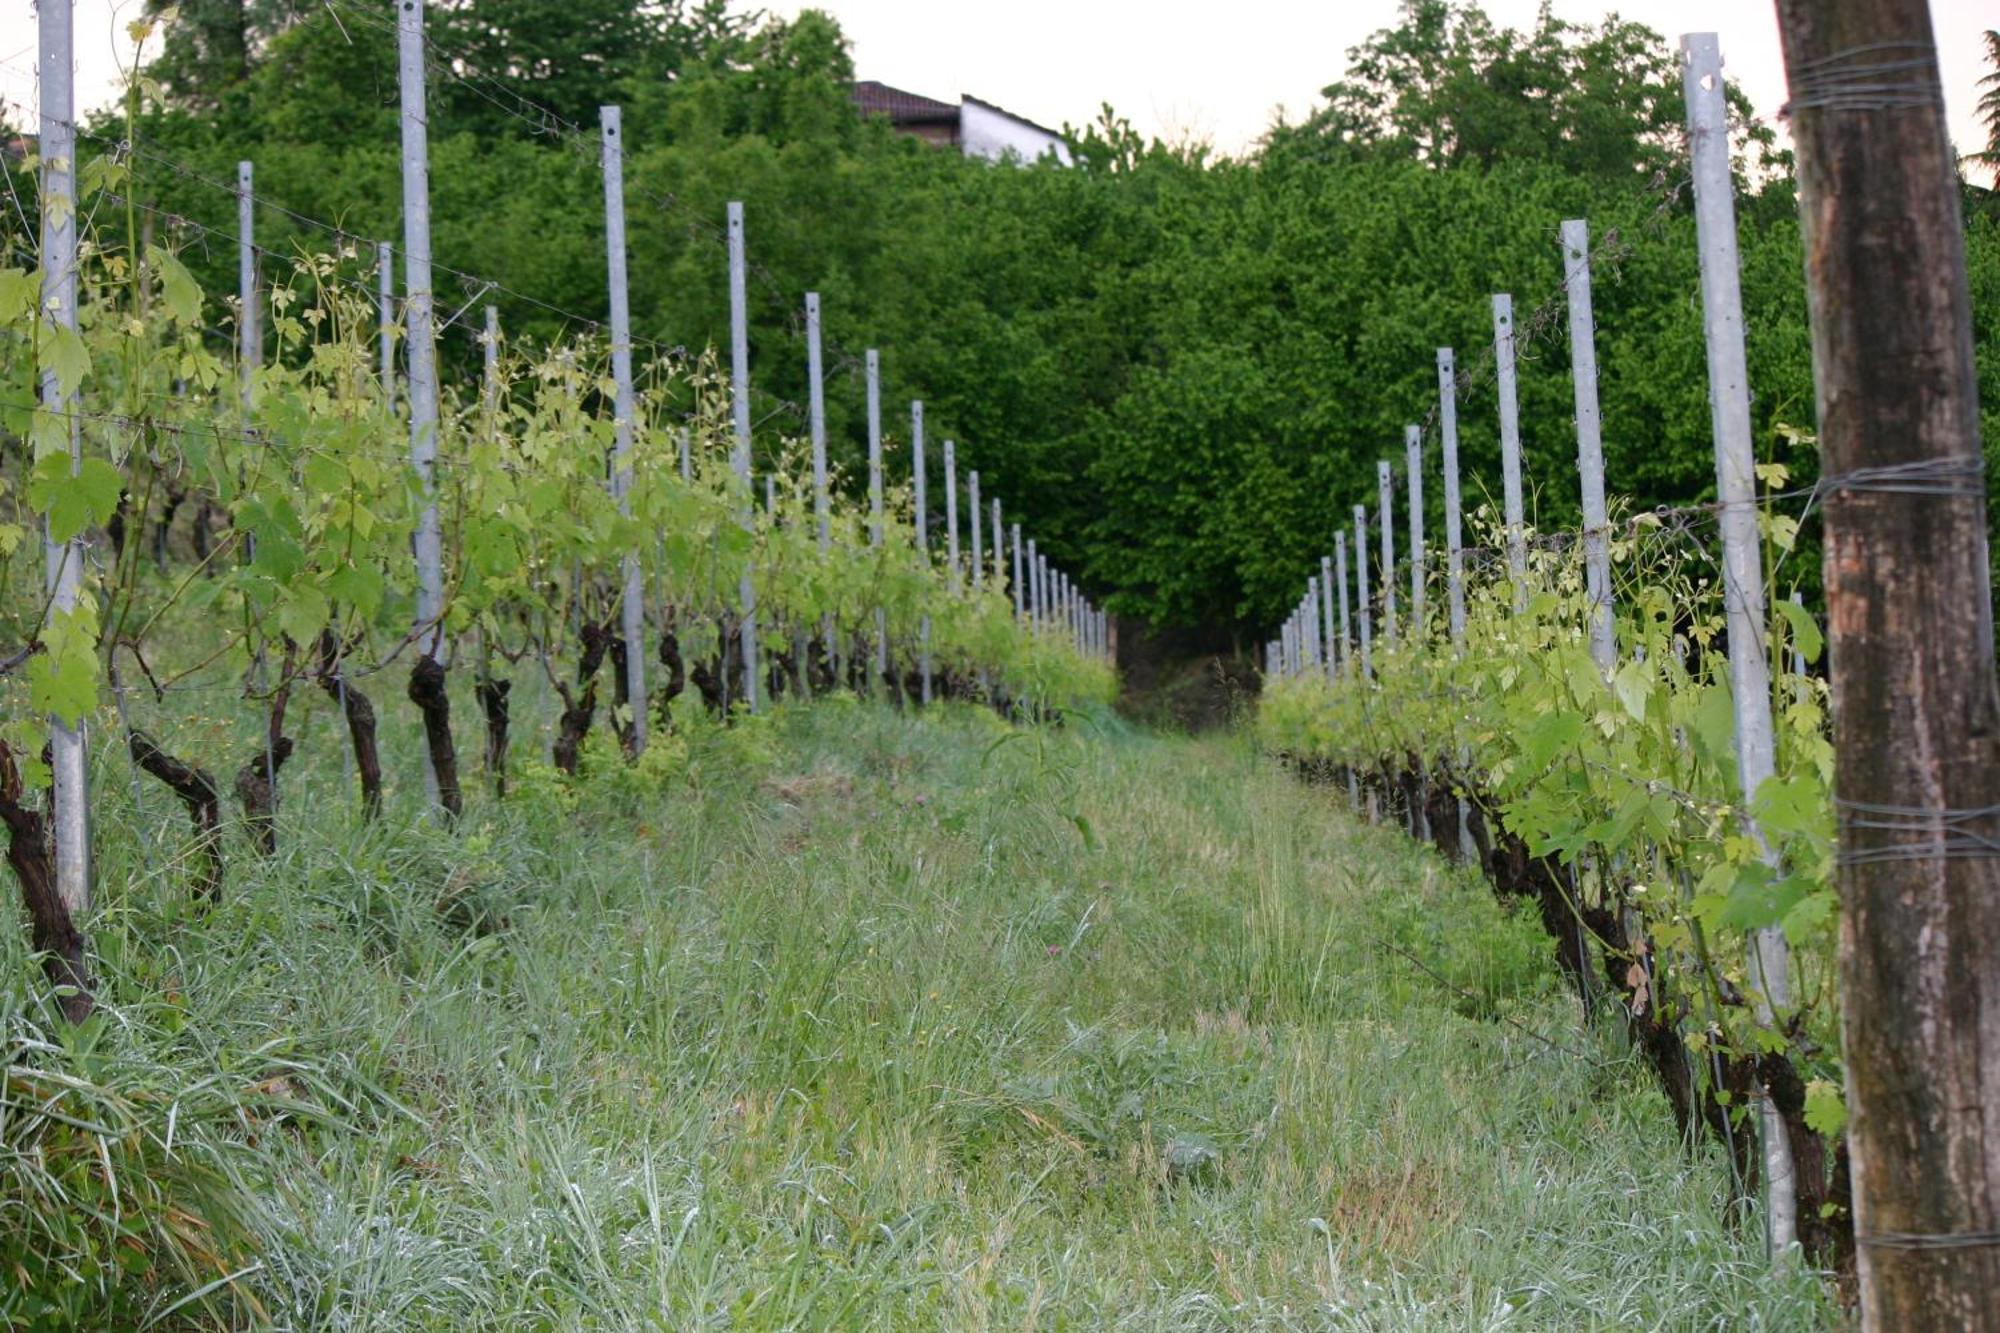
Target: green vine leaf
{"points": [[1826, 1108], [72, 500], [62, 351], [1806, 636], [179, 292]]}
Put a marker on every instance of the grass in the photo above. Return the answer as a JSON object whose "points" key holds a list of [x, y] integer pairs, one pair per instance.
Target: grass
{"points": [[843, 1020]]}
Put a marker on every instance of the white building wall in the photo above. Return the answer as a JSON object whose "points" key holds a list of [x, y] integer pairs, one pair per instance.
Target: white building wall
{"points": [[985, 132]]}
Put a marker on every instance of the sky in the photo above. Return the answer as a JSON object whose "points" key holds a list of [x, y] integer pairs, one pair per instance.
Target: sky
{"points": [[1177, 69]]}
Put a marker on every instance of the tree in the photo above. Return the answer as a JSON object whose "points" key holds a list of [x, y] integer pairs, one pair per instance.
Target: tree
{"points": [[211, 46], [1449, 89], [1916, 709], [1165, 363], [1989, 105]]}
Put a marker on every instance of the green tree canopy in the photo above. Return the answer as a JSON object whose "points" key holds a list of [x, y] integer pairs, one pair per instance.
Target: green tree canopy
{"points": [[1179, 370]]}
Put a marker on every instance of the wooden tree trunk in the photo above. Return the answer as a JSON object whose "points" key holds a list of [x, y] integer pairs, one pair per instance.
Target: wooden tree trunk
{"points": [[1910, 629]]}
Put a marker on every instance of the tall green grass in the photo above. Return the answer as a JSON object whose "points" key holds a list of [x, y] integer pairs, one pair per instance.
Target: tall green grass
{"points": [[844, 1020]]}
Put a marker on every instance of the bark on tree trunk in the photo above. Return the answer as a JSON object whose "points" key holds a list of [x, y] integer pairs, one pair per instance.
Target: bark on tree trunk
{"points": [[198, 792], [51, 931], [1910, 632]]}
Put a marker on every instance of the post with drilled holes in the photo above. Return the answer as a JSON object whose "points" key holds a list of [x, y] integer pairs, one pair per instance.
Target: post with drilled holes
{"points": [[1044, 591], [1346, 644], [1742, 572], [1315, 638], [249, 336], [1910, 628], [875, 502], [1344, 659], [1454, 555], [1051, 613], [63, 560], [1413, 457], [1361, 591], [1030, 610], [978, 558], [822, 501], [739, 454], [1330, 648], [1047, 594], [999, 541], [816, 424], [385, 318], [922, 504], [1454, 527], [1512, 508], [1034, 588], [1589, 442], [1019, 588], [951, 515], [633, 610], [489, 383], [419, 331], [1386, 486], [972, 508]]}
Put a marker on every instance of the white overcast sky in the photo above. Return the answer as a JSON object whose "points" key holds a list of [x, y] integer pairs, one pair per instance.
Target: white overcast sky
{"points": [[1178, 69]]}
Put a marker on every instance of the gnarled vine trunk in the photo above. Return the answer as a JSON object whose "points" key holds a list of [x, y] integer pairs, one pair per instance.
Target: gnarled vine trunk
{"points": [[203, 799], [491, 692], [51, 931], [580, 705], [360, 717], [257, 781], [427, 692]]}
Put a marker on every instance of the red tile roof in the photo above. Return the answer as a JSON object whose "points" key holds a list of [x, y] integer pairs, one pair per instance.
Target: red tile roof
{"points": [[879, 99]]}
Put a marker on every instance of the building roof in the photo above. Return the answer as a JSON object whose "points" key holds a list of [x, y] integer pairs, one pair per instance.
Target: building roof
{"points": [[1013, 116], [873, 98]]}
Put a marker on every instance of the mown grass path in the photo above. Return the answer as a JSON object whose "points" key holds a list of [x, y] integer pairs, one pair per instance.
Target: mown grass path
{"points": [[842, 1020]]}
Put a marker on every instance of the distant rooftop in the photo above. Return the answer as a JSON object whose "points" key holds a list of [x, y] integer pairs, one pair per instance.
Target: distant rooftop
{"points": [[1012, 115], [976, 127], [874, 98]]}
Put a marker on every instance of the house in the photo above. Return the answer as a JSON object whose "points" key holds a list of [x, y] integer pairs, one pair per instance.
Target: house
{"points": [[976, 128]]}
